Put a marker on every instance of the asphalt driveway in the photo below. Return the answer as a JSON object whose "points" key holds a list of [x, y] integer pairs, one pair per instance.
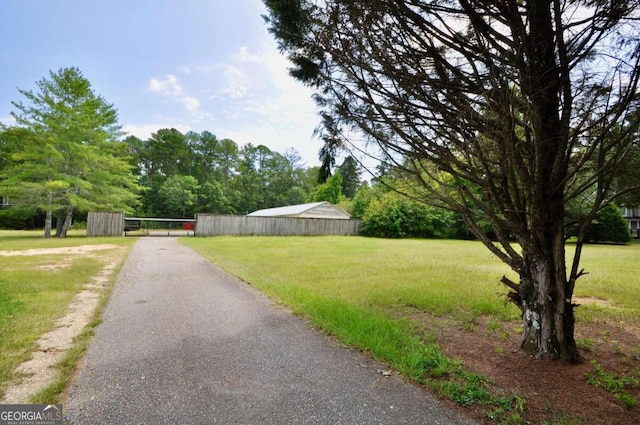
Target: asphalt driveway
{"points": [[182, 342]]}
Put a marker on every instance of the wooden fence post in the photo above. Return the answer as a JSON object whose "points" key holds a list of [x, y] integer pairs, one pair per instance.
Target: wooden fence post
{"points": [[105, 224]]}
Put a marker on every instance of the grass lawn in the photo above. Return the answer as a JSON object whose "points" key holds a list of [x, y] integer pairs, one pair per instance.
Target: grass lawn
{"points": [[613, 276], [458, 278], [35, 290], [365, 292]]}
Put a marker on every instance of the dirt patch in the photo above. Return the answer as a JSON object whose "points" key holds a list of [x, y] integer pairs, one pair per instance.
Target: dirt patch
{"points": [[591, 300], [551, 391], [39, 371], [71, 250]]}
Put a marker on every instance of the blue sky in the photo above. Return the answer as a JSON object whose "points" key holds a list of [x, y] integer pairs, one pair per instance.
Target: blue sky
{"points": [[188, 64]]}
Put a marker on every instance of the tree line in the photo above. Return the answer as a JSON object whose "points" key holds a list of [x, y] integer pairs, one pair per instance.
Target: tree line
{"points": [[66, 155], [183, 174]]}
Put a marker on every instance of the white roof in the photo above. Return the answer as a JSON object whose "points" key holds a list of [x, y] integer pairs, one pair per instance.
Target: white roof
{"points": [[313, 210]]}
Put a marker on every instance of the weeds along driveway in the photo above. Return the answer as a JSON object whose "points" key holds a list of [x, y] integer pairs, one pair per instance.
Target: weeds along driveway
{"points": [[184, 342]]}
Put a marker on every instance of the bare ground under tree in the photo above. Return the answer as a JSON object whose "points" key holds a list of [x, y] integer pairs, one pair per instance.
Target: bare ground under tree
{"points": [[492, 351]]}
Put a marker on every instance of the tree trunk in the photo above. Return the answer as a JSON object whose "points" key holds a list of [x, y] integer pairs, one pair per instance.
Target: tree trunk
{"points": [[59, 222], [47, 223], [547, 312], [66, 225]]}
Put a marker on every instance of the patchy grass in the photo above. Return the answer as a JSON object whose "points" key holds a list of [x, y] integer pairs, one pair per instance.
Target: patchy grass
{"points": [[52, 393], [615, 385], [35, 291], [32, 239]]}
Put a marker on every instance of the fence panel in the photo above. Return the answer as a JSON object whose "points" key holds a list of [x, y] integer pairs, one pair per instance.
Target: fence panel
{"points": [[233, 225], [105, 224]]}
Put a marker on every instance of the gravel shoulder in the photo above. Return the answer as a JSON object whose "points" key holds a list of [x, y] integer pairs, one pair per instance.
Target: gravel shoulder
{"points": [[183, 342], [40, 370]]}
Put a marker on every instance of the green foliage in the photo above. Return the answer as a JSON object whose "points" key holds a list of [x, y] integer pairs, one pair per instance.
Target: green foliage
{"points": [[615, 385], [608, 226], [179, 194], [230, 180], [330, 191], [510, 135], [628, 174], [18, 218], [361, 201], [60, 166], [396, 216], [64, 151], [212, 199], [350, 172], [387, 212]]}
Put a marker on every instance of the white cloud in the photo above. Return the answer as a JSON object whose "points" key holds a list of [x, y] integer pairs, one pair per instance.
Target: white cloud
{"points": [[258, 102], [204, 69], [243, 54], [8, 120], [144, 131], [249, 98], [170, 87], [283, 102], [167, 87], [237, 82], [191, 103]]}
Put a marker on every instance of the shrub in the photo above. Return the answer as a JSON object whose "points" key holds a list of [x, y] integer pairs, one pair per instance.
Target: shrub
{"points": [[18, 218], [361, 201], [330, 191], [609, 226], [396, 216]]}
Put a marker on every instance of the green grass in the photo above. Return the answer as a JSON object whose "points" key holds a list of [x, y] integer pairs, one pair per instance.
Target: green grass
{"points": [[443, 277], [33, 296], [455, 278], [615, 385], [364, 291], [613, 276], [32, 239]]}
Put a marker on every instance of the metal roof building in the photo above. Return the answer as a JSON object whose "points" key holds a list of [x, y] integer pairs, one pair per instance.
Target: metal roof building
{"points": [[314, 210]]}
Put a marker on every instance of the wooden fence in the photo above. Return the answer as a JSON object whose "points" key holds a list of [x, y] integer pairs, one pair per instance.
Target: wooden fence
{"points": [[105, 224], [218, 225], [113, 224]]}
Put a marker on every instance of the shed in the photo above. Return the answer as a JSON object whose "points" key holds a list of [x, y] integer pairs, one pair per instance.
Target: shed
{"points": [[313, 210]]}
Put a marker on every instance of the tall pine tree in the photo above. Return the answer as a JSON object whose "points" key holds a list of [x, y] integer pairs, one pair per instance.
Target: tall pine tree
{"points": [[68, 156]]}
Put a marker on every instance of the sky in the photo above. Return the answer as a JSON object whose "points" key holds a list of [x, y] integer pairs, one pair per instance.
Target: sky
{"points": [[193, 65]]}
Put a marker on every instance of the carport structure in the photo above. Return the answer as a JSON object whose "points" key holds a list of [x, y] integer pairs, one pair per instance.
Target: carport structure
{"points": [[118, 224], [154, 226]]}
